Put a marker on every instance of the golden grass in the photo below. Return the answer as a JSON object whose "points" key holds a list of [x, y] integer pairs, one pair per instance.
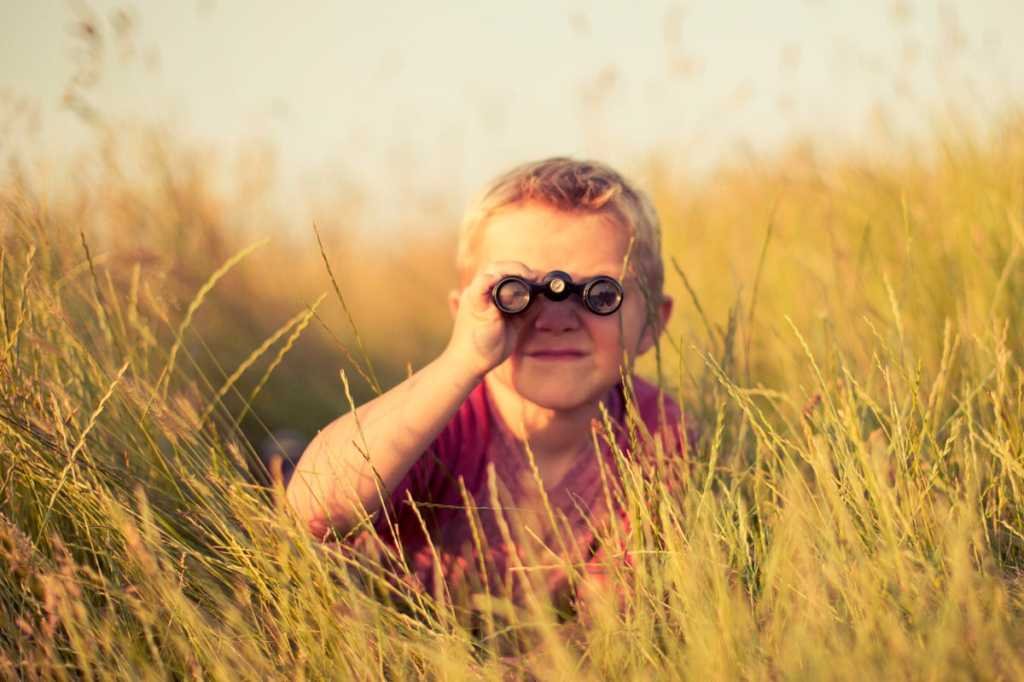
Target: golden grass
{"points": [[848, 335]]}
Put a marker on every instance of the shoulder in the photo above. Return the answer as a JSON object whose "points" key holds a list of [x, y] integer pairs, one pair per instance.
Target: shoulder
{"points": [[662, 415], [656, 408], [649, 397]]}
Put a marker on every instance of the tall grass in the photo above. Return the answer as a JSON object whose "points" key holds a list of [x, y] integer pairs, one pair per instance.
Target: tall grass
{"points": [[851, 511]]}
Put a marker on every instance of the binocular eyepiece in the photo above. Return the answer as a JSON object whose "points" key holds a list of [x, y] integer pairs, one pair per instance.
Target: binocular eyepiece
{"points": [[601, 295]]}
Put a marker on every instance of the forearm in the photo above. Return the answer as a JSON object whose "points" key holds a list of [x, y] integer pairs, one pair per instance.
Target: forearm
{"points": [[339, 469]]}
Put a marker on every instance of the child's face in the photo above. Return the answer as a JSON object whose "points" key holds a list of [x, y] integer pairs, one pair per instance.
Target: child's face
{"points": [[583, 245]]}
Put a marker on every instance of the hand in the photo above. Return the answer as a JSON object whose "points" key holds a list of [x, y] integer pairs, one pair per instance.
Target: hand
{"points": [[483, 337]]}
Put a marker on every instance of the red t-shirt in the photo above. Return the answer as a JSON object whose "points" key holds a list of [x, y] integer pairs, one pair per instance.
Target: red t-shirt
{"points": [[476, 440]]}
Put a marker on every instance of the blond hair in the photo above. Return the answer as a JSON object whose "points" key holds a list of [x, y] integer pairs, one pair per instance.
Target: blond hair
{"points": [[571, 186]]}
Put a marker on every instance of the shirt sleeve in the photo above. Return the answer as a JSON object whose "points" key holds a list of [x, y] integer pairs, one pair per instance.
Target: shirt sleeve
{"points": [[418, 483], [433, 478]]}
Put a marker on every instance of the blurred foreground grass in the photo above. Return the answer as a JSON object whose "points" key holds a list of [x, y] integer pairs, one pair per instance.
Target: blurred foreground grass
{"points": [[848, 335]]}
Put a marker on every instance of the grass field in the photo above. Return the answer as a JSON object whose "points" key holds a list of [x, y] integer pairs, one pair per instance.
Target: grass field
{"points": [[848, 332]]}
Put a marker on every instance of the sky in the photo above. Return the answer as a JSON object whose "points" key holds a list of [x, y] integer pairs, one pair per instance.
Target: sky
{"points": [[439, 97]]}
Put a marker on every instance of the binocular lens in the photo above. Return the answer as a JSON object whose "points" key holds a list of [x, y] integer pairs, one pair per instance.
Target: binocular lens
{"points": [[603, 297], [513, 295]]}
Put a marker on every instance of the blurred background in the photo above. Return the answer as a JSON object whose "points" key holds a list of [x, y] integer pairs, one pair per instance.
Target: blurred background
{"points": [[798, 152]]}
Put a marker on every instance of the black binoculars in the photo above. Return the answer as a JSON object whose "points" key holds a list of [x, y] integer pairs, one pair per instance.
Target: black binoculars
{"points": [[601, 295]]}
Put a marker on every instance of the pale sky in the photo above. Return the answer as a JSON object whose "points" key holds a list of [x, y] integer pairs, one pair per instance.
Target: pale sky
{"points": [[439, 96]]}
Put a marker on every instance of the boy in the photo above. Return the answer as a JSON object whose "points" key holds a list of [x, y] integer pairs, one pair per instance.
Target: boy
{"points": [[506, 414]]}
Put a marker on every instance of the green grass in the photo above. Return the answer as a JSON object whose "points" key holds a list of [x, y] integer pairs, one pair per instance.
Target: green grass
{"points": [[848, 335]]}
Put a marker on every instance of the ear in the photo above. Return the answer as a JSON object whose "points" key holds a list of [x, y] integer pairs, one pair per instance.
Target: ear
{"points": [[653, 331], [453, 301]]}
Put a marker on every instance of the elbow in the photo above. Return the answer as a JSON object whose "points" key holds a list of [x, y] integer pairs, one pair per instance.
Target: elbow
{"points": [[314, 514], [316, 496], [301, 502], [306, 500], [316, 523]]}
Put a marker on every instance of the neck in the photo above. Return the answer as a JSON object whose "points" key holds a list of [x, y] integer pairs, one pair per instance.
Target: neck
{"points": [[552, 434]]}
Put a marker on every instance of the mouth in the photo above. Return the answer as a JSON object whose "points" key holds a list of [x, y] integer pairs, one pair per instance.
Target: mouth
{"points": [[555, 354]]}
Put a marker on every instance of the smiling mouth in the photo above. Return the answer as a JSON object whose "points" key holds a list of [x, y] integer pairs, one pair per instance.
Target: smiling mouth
{"points": [[555, 355]]}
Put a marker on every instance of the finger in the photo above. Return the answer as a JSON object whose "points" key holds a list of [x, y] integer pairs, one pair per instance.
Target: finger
{"points": [[480, 288], [494, 271], [476, 296]]}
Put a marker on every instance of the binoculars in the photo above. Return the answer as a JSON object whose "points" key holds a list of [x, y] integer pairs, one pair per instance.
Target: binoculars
{"points": [[601, 295]]}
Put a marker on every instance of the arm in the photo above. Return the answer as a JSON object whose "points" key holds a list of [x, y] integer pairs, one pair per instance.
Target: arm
{"points": [[338, 470], [389, 433]]}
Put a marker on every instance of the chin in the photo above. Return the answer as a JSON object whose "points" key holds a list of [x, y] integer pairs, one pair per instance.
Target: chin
{"points": [[554, 394], [550, 400]]}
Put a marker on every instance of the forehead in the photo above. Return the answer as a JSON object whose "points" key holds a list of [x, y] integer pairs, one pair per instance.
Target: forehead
{"points": [[545, 238]]}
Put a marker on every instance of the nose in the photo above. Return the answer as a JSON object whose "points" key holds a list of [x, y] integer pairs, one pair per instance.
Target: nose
{"points": [[557, 316]]}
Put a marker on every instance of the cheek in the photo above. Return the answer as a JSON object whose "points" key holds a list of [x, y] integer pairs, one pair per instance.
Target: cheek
{"points": [[625, 330], [608, 335]]}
